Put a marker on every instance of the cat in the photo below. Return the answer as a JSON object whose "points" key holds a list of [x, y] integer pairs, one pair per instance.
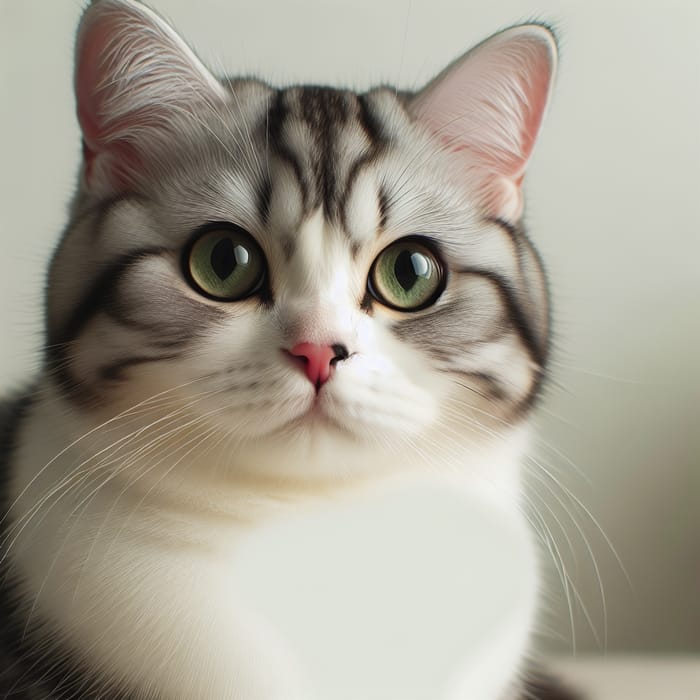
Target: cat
{"points": [[279, 323]]}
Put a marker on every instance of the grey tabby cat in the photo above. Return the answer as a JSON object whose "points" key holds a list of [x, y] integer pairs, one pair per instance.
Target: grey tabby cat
{"points": [[275, 316]]}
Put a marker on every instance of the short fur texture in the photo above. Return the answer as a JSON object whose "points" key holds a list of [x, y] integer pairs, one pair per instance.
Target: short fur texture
{"points": [[168, 425]]}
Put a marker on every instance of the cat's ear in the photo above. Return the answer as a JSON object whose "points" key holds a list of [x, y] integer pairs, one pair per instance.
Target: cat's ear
{"points": [[487, 108], [134, 79]]}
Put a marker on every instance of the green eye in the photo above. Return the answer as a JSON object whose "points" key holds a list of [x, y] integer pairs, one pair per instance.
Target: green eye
{"points": [[225, 263], [406, 276]]}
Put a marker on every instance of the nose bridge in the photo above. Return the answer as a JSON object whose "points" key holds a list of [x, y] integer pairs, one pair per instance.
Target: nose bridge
{"points": [[318, 321], [319, 267], [318, 305]]}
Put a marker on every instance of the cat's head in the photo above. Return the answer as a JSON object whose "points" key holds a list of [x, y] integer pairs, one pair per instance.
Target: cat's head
{"points": [[306, 264]]}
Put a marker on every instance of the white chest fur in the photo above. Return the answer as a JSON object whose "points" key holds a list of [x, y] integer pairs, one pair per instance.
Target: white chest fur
{"points": [[414, 593], [418, 590]]}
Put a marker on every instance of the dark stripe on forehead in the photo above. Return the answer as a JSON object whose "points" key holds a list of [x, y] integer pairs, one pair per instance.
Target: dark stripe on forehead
{"points": [[274, 138], [377, 143], [370, 123], [327, 136], [324, 108], [264, 197], [326, 112], [383, 210]]}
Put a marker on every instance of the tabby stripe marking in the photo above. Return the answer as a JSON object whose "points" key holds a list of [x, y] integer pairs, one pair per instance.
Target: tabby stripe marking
{"points": [[97, 296], [369, 157], [276, 116], [326, 111], [516, 315], [99, 292]]}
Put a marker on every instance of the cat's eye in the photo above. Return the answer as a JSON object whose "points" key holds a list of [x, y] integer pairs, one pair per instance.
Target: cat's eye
{"points": [[225, 263], [407, 275]]}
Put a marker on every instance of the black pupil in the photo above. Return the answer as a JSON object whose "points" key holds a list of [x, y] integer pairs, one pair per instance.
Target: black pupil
{"points": [[409, 267], [223, 258]]}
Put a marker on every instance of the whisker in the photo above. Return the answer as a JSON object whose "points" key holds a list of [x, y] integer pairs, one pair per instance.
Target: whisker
{"points": [[87, 434]]}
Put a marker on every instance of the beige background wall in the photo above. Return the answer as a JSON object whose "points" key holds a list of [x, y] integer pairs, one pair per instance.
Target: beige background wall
{"points": [[613, 206]]}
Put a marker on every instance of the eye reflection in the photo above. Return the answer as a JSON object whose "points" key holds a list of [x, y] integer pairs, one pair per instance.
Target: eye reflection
{"points": [[406, 276], [226, 264]]}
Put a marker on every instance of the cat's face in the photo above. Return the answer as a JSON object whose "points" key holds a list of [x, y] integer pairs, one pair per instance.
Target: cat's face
{"points": [[304, 264]]}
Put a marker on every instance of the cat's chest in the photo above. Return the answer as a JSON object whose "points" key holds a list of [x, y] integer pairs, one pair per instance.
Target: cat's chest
{"points": [[397, 594]]}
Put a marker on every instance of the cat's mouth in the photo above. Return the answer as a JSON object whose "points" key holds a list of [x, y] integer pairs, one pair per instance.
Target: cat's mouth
{"points": [[318, 415], [314, 418]]}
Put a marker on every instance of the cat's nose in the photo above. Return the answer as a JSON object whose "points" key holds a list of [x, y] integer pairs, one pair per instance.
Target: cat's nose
{"points": [[318, 361]]}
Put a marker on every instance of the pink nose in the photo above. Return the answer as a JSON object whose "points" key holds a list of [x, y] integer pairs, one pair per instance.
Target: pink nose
{"points": [[318, 360]]}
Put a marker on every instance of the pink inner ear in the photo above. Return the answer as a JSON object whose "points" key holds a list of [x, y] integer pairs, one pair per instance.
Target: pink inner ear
{"points": [[87, 78], [133, 76], [92, 114], [487, 108], [535, 87], [96, 72]]}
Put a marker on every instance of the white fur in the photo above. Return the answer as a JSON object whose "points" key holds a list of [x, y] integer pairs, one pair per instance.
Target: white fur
{"points": [[219, 587]]}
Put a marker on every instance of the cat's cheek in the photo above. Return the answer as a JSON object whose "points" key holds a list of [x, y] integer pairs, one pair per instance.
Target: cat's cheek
{"points": [[373, 397], [401, 388], [105, 367]]}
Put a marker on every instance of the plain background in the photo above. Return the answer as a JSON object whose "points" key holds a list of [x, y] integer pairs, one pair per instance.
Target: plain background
{"points": [[612, 204]]}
